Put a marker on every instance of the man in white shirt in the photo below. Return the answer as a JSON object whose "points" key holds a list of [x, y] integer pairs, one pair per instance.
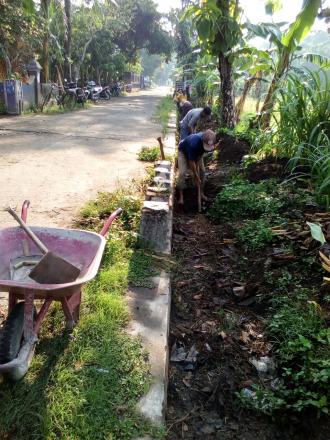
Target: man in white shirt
{"points": [[189, 122]]}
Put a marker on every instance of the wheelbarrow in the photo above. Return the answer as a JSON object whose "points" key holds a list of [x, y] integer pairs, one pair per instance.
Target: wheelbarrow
{"points": [[18, 255]]}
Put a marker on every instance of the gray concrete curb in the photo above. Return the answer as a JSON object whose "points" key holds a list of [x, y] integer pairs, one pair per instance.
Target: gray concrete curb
{"points": [[157, 210], [150, 308]]}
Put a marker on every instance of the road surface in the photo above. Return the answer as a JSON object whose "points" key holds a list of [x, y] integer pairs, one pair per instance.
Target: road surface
{"points": [[60, 161]]}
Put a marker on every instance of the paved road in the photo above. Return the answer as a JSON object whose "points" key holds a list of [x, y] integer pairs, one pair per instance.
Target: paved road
{"points": [[60, 161]]}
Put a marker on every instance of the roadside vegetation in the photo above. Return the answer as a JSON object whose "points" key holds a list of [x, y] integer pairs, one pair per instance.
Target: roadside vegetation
{"points": [[163, 112], [86, 384]]}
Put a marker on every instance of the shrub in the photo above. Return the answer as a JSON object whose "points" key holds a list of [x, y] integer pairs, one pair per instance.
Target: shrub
{"points": [[255, 234]]}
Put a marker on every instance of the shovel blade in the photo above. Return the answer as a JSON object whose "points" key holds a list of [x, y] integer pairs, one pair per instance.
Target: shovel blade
{"points": [[53, 269]]}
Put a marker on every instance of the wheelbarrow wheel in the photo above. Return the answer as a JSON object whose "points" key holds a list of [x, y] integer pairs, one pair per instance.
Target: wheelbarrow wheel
{"points": [[11, 340]]}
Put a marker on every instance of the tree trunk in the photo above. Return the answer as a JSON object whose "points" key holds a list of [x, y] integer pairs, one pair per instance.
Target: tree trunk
{"points": [[258, 90], [268, 104], [45, 41], [83, 54], [280, 72], [227, 99], [240, 105], [67, 40]]}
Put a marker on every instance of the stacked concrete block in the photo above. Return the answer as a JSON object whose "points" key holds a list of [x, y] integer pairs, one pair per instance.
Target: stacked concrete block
{"points": [[156, 221]]}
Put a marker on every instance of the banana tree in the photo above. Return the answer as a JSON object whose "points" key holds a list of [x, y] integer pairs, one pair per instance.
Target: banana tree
{"points": [[286, 44], [218, 28], [254, 63]]}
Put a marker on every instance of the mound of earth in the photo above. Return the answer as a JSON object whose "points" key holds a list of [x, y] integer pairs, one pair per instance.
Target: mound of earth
{"points": [[232, 149], [266, 169]]}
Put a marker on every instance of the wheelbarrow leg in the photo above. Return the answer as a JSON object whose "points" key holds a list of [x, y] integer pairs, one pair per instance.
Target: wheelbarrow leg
{"points": [[12, 300], [71, 308], [74, 304], [29, 333]]}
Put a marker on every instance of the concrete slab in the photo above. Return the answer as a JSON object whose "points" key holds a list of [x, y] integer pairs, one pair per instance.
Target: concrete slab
{"points": [[150, 309], [166, 183]]}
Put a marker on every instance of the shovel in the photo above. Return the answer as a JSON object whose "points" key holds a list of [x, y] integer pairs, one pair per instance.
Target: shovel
{"points": [[51, 269]]}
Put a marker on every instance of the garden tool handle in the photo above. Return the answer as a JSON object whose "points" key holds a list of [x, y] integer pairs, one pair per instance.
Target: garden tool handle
{"points": [[108, 223], [29, 232]]}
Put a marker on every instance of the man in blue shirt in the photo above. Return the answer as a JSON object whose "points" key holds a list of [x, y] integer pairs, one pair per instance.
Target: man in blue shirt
{"points": [[190, 158]]}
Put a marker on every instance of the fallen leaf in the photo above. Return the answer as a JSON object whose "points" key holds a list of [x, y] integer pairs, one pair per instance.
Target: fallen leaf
{"points": [[223, 335]]}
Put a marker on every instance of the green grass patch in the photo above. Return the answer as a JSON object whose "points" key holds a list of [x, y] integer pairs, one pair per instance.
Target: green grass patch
{"points": [[163, 111], [54, 109], [86, 385]]}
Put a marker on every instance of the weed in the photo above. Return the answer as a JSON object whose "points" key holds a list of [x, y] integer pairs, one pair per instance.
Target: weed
{"points": [[255, 234], [149, 154]]}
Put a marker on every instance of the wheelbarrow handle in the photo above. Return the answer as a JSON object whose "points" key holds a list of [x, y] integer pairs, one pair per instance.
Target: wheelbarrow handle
{"points": [[25, 207], [108, 223], [29, 232]]}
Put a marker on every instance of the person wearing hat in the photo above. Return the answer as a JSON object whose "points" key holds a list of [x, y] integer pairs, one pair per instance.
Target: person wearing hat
{"points": [[190, 157]]}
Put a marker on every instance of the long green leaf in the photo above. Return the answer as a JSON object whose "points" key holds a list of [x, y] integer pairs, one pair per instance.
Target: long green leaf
{"points": [[300, 28]]}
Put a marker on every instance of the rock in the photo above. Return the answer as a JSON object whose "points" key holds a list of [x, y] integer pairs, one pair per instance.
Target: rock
{"points": [[263, 365]]}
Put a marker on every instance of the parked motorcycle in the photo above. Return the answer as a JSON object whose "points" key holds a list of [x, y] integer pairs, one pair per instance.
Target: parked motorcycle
{"points": [[96, 92], [105, 93], [115, 90], [78, 91]]}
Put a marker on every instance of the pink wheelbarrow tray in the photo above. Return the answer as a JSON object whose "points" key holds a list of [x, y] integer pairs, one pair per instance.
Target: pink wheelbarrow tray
{"points": [[19, 336]]}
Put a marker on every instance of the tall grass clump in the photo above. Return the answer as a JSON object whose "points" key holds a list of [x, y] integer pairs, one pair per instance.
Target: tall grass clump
{"points": [[301, 128]]}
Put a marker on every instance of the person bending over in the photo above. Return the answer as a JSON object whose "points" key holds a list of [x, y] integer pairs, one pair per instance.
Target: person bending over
{"points": [[189, 122], [190, 157]]}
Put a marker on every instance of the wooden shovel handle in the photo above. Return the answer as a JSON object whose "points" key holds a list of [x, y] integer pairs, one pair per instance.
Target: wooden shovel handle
{"points": [[29, 232]]}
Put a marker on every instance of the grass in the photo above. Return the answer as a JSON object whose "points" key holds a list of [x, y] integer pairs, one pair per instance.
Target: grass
{"points": [[163, 111], [86, 385], [54, 109]]}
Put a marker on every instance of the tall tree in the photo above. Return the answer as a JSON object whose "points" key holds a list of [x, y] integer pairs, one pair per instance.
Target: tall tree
{"points": [[44, 8], [67, 39], [218, 27], [20, 33]]}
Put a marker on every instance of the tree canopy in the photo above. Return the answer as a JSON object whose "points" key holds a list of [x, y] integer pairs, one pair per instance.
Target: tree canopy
{"points": [[92, 38]]}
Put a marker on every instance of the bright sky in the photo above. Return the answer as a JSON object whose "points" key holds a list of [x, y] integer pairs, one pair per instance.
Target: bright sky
{"points": [[254, 10]]}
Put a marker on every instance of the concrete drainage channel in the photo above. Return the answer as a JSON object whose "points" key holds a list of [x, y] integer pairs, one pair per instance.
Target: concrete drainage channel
{"points": [[150, 308]]}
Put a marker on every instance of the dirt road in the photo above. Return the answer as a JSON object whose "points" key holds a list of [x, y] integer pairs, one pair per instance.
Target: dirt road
{"points": [[60, 161]]}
